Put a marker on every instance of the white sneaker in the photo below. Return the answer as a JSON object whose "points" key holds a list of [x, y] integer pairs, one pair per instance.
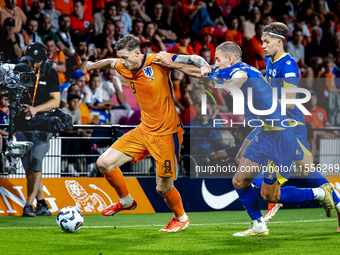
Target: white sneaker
{"points": [[253, 232]]}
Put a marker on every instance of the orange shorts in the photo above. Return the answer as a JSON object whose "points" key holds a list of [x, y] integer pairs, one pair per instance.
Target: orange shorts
{"points": [[164, 149]]}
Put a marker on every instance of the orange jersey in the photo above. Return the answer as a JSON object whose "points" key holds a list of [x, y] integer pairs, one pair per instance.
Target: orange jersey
{"points": [[318, 117], [152, 88]]}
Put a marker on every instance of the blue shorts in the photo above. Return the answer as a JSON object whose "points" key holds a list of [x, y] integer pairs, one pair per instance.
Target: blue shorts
{"points": [[302, 147], [274, 150]]}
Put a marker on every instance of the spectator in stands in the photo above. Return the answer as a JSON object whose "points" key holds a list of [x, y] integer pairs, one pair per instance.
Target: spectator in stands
{"points": [[315, 71], [284, 8], [81, 22], [314, 20], [137, 29], [267, 8], [296, 49], [336, 69], [124, 16], [180, 83], [268, 18], [301, 23], [146, 47], [105, 41], [157, 44], [14, 12], [329, 30], [57, 57], [53, 13], [137, 11], [80, 58], [206, 41], [214, 12], [192, 17], [4, 113], [45, 31], [110, 85], [78, 78], [184, 41], [248, 27], [329, 76], [29, 35], [100, 18], [119, 29], [35, 12], [85, 115], [9, 42], [319, 8], [232, 34], [318, 119], [316, 48], [205, 53], [335, 46], [255, 53], [242, 11], [231, 153], [164, 30], [64, 32], [94, 97]]}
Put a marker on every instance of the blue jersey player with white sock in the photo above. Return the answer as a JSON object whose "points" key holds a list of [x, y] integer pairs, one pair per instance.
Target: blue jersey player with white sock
{"points": [[273, 144], [282, 72]]}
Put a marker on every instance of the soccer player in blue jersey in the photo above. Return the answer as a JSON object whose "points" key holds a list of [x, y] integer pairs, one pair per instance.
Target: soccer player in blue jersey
{"points": [[282, 72], [274, 145]]}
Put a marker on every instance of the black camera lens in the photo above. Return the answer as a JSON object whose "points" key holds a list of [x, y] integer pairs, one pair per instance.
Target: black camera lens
{"points": [[27, 79]]}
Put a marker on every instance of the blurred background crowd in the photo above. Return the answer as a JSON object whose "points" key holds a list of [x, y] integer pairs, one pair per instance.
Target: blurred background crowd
{"points": [[77, 31]]}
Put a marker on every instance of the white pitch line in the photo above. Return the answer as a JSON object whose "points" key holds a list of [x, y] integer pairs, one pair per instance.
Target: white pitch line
{"points": [[211, 224]]}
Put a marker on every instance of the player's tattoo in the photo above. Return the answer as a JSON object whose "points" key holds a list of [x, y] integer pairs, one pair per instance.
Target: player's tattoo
{"points": [[191, 60]]}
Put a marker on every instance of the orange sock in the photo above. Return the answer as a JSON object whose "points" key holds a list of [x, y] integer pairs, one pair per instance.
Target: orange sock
{"points": [[116, 179], [174, 201]]}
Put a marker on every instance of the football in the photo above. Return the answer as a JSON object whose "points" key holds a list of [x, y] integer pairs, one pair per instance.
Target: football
{"points": [[70, 219]]}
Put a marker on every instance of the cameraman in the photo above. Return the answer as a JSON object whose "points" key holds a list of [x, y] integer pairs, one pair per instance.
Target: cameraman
{"points": [[44, 96]]}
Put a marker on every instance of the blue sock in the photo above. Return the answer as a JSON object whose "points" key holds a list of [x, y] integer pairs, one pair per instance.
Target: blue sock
{"points": [[292, 194], [318, 179], [258, 180], [249, 201]]}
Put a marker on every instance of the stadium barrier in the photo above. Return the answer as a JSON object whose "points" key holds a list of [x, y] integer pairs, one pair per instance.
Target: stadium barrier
{"points": [[92, 195]]}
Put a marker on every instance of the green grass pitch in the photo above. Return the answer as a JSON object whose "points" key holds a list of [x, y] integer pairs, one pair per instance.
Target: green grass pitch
{"points": [[304, 231]]}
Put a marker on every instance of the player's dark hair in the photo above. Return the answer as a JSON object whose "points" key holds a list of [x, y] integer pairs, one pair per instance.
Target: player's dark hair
{"points": [[128, 42], [230, 48], [277, 28]]}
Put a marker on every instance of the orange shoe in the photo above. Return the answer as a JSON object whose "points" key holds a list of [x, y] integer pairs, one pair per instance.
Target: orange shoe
{"points": [[175, 225], [117, 207], [272, 209]]}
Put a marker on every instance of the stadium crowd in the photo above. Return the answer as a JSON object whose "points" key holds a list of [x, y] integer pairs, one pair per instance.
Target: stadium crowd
{"points": [[77, 31]]}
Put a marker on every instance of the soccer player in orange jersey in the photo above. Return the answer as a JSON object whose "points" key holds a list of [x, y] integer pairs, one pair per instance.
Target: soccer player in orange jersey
{"points": [[160, 133]]}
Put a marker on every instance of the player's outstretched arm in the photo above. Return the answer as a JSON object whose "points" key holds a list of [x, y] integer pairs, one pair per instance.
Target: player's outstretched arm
{"points": [[185, 63], [101, 64]]}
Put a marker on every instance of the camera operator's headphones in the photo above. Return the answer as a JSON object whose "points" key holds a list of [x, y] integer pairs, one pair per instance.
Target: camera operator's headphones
{"points": [[38, 52]]}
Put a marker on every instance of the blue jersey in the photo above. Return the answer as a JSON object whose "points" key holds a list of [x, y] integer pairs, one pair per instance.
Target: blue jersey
{"points": [[262, 94], [284, 73]]}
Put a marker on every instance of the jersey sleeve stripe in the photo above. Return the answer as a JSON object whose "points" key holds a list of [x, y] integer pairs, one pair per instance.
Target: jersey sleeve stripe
{"points": [[288, 85]]}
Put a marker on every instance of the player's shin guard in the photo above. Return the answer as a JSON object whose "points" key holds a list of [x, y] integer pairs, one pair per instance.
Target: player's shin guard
{"points": [[116, 179], [174, 201], [292, 194], [318, 180], [249, 200]]}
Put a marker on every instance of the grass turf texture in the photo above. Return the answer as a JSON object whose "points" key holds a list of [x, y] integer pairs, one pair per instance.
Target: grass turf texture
{"points": [[304, 231]]}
